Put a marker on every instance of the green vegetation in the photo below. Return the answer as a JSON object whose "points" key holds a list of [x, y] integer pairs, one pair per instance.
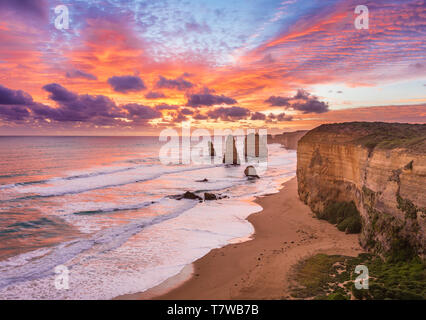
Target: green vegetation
{"points": [[344, 214], [313, 275], [393, 244], [384, 141], [332, 277], [401, 250], [391, 135], [408, 207], [379, 135]]}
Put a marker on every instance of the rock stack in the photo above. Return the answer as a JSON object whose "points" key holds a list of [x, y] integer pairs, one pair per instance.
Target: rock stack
{"points": [[212, 152], [231, 153], [255, 146]]}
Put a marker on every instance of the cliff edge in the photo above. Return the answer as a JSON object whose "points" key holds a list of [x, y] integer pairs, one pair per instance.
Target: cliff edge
{"points": [[381, 167], [288, 139]]}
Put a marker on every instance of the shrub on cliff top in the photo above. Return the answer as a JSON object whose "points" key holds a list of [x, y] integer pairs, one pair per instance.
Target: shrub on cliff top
{"points": [[373, 135]]}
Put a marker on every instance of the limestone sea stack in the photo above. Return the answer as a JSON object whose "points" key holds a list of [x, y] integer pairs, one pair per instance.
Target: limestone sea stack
{"points": [[231, 154], [381, 167], [255, 146], [212, 152]]}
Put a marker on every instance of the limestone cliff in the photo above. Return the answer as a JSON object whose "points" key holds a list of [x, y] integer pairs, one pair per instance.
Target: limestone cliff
{"points": [[288, 139], [379, 166]]}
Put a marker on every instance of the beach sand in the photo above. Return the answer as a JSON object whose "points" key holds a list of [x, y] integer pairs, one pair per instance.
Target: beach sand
{"points": [[286, 232]]}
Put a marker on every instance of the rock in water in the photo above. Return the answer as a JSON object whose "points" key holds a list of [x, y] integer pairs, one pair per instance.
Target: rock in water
{"points": [[231, 153], [212, 152], [209, 196], [186, 195], [191, 195], [255, 146], [250, 172]]}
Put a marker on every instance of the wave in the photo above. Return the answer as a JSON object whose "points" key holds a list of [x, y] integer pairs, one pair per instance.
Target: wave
{"points": [[115, 209], [88, 182], [5, 176], [40, 263], [71, 177]]}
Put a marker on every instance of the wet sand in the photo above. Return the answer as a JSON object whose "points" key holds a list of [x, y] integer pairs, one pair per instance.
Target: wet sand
{"points": [[286, 232]]}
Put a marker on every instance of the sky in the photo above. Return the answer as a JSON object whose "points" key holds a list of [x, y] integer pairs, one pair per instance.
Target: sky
{"points": [[137, 67]]}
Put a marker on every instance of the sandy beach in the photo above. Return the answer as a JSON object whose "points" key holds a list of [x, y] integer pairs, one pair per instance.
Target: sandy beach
{"points": [[286, 232]]}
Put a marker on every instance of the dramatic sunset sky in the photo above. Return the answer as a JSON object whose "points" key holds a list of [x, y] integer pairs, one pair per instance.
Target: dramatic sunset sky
{"points": [[137, 67]]}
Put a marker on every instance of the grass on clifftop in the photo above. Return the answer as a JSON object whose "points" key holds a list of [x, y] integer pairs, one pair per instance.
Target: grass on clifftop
{"points": [[331, 277], [379, 134], [344, 214]]}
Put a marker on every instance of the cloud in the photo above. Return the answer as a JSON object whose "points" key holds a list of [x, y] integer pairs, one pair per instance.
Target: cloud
{"points": [[154, 95], [278, 101], [179, 84], [165, 106], [229, 113], [279, 117], [258, 116], [207, 98], [284, 117], [302, 94], [313, 105], [80, 74], [271, 117], [400, 113], [302, 101], [125, 84], [13, 113], [14, 97], [199, 116], [137, 112], [58, 93], [186, 111], [33, 8], [98, 110], [16, 105], [179, 117]]}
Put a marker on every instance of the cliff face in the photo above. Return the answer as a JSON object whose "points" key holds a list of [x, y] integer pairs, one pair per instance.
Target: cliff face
{"points": [[379, 166], [288, 139]]}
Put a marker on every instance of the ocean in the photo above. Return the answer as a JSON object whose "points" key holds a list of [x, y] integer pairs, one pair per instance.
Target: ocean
{"points": [[101, 206]]}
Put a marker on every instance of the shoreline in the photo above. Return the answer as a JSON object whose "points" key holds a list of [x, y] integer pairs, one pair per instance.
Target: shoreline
{"points": [[286, 232]]}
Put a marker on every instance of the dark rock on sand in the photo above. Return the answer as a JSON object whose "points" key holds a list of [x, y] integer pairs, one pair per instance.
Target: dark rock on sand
{"points": [[210, 196], [187, 195]]}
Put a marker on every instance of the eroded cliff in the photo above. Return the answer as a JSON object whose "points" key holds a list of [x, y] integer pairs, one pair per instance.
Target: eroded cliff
{"points": [[288, 139], [379, 166]]}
